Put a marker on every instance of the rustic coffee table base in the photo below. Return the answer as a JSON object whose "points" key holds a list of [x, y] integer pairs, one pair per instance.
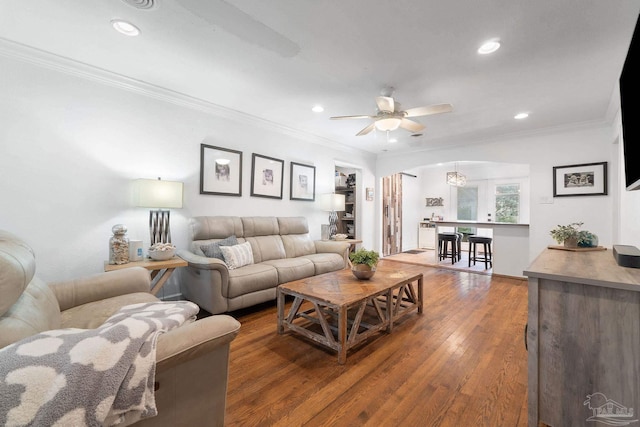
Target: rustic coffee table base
{"points": [[343, 326]]}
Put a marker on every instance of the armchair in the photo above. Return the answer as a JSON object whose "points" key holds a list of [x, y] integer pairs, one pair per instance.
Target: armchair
{"points": [[191, 361]]}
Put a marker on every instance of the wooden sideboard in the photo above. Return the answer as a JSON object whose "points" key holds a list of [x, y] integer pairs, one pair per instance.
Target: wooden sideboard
{"points": [[583, 339]]}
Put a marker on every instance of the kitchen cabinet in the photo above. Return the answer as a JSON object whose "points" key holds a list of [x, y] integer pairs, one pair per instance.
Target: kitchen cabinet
{"points": [[426, 235]]}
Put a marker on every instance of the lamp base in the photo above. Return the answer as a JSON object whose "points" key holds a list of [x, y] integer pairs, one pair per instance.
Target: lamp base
{"points": [[333, 221], [159, 227]]}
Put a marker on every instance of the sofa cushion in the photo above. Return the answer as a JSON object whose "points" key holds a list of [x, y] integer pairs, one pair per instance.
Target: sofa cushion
{"points": [[292, 268], [237, 256], [36, 310], [212, 250], [260, 226], [250, 278], [266, 248], [93, 314], [17, 267], [293, 225], [326, 262], [296, 245], [215, 227]]}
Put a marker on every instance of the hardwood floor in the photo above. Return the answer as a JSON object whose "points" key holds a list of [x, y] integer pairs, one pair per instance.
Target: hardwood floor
{"points": [[460, 363]]}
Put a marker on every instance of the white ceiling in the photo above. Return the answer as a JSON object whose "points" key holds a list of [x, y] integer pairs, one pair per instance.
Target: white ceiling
{"points": [[559, 60]]}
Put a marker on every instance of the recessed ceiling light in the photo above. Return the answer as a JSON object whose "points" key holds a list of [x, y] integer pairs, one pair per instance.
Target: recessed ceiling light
{"points": [[124, 27], [489, 46], [317, 109], [521, 116], [392, 140]]}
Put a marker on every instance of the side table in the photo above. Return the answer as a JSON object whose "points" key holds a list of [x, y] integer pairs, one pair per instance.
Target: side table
{"points": [[160, 270]]}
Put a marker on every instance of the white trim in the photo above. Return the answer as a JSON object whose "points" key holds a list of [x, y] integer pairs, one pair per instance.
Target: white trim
{"points": [[51, 61]]}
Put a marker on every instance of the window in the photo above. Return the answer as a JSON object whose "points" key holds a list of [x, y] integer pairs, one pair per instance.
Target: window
{"points": [[508, 203], [468, 203]]}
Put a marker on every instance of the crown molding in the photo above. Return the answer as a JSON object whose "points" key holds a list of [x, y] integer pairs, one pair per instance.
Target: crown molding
{"points": [[65, 65], [449, 143]]}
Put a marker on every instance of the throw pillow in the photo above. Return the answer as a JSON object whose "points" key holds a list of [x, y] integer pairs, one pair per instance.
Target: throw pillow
{"points": [[212, 250], [237, 256]]}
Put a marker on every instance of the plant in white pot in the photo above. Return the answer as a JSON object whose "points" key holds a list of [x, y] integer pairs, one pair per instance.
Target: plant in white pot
{"points": [[364, 263], [572, 237]]}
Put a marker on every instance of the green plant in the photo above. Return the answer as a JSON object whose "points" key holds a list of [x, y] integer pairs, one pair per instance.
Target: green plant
{"points": [[571, 231], [363, 256], [564, 232]]}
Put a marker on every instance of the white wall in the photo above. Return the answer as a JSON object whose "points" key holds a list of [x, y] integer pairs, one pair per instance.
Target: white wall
{"points": [[411, 209], [541, 152], [71, 146]]}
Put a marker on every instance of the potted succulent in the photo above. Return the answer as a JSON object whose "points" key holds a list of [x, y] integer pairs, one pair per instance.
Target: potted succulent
{"points": [[571, 236], [363, 263]]}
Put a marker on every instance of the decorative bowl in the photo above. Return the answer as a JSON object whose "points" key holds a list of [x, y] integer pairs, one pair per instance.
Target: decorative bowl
{"points": [[363, 271], [340, 236], [162, 253]]}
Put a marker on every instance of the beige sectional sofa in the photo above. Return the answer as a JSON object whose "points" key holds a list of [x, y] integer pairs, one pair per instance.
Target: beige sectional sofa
{"points": [[282, 251]]}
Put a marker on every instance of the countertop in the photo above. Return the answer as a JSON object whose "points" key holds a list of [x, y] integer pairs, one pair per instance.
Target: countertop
{"points": [[596, 268], [479, 223]]}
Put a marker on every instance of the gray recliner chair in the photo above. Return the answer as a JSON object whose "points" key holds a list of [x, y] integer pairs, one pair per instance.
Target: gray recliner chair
{"points": [[192, 360]]}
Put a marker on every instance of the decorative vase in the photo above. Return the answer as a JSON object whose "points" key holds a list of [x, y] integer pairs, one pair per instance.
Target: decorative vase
{"points": [[119, 245], [571, 243], [363, 271]]}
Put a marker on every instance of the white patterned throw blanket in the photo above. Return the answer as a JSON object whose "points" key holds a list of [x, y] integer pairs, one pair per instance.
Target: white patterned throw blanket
{"points": [[88, 377]]}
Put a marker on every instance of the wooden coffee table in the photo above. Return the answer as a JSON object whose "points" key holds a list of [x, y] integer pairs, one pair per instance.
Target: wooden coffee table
{"points": [[339, 311]]}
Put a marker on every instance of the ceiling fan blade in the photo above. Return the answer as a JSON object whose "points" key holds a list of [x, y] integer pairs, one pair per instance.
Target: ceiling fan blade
{"points": [[351, 117], [366, 130], [385, 103], [431, 109], [411, 126]]}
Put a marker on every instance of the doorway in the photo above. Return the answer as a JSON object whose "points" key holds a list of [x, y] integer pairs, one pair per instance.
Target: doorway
{"points": [[391, 214]]}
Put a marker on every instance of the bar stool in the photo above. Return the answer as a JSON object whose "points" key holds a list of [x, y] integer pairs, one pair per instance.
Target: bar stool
{"points": [[486, 243], [443, 247]]}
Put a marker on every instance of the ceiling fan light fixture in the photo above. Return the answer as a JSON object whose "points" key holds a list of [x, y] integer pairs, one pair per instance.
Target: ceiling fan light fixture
{"points": [[388, 124], [489, 46]]}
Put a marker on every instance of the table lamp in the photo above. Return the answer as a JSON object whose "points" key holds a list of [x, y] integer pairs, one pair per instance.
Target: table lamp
{"points": [[332, 203], [158, 194]]}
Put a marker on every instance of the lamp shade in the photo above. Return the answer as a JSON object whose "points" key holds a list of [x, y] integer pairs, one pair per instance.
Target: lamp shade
{"points": [[456, 179], [155, 193], [332, 202]]}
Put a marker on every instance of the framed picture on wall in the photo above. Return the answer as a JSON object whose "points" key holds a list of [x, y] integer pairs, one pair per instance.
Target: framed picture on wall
{"points": [[302, 182], [589, 179], [220, 171], [266, 176]]}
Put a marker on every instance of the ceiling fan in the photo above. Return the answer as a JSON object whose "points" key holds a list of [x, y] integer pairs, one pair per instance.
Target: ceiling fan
{"points": [[390, 116]]}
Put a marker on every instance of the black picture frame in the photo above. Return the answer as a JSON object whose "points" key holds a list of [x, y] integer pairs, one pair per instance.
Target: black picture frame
{"points": [[267, 176], [302, 182], [220, 171], [587, 179]]}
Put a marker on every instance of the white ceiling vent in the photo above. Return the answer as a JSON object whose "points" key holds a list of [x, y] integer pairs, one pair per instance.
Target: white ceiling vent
{"points": [[141, 4]]}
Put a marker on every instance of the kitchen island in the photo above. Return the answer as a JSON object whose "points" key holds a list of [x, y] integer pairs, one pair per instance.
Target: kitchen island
{"points": [[510, 244]]}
